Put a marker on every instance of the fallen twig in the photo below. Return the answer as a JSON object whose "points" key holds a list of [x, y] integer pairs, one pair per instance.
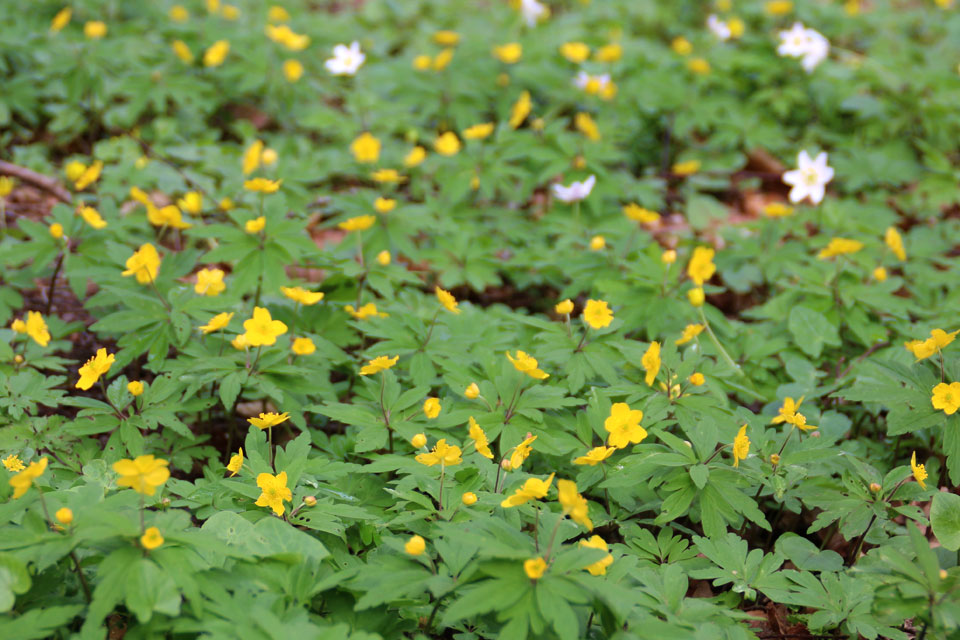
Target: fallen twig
{"points": [[41, 181]]}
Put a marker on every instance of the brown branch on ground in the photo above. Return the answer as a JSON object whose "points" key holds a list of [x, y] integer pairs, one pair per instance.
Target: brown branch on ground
{"points": [[41, 181]]}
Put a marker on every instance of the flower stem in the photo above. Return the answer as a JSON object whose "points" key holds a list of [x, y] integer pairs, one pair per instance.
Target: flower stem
{"points": [[716, 343]]}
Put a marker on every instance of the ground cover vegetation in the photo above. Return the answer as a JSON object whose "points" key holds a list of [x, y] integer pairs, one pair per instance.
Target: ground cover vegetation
{"points": [[479, 319]]}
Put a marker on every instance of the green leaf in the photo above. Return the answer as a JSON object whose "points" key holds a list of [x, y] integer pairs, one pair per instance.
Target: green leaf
{"points": [[945, 519], [811, 330]]}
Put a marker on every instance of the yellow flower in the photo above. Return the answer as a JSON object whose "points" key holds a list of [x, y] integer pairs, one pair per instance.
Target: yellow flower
{"points": [[22, 482], [681, 46], [623, 425], [690, 332], [777, 210], [422, 62], [574, 504], [778, 7], [447, 300], [472, 391], [13, 463], [143, 474], [268, 420], [90, 175], [447, 144], [478, 131], [597, 243], [431, 408], [92, 217], [358, 223], [564, 308], [938, 339], [210, 282], [415, 157], [741, 446], [696, 379], [366, 311], [135, 387], [597, 314], [787, 411], [365, 148], [586, 125], [919, 471], [191, 202], [535, 568], [696, 296], [384, 205], [277, 14], [651, 362], [442, 60], [880, 274], [736, 26], [598, 568], [61, 19], [35, 327], [521, 452], [216, 54], [261, 329], [269, 156], [638, 214], [303, 296], [252, 156], [839, 247], [800, 421], [443, 454], [520, 110], [415, 546], [236, 463], [56, 230], [595, 456], [698, 66], [528, 365], [668, 257], [64, 516], [479, 438], [575, 52], [74, 170], [303, 346], [378, 364], [274, 491], [609, 53], [256, 225], [179, 13], [946, 397], [895, 241], [144, 264], [509, 53], [94, 368], [6, 186], [151, 538], [95, 29], [532, 489], [217, 322], [230, 12], [182, 51], [226, 204], [383, 258], [388, 176], [701, 267], [469, 498], [418, 441], [262, 185], [292, 70], [282, 34], [774, 459]]}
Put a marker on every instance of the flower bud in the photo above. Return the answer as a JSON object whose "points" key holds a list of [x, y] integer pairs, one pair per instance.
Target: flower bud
{"points": [[469, 498], [774, 459], [56, 230], [874, 487], [505, 464], [415, 545], [564, 308], [472, 391], [135, 388], [597, 243], [310, 501], [383, 258], [696, 297], [64, 516], [418, 441], [269, 156], [668, 257], [696, 379]]}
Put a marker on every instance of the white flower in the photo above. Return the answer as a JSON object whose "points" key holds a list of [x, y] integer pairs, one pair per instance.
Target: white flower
{"points": [[532, 11], [718, 27], [346, 60], [810, 178], [801, 42], [576, 191]]}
